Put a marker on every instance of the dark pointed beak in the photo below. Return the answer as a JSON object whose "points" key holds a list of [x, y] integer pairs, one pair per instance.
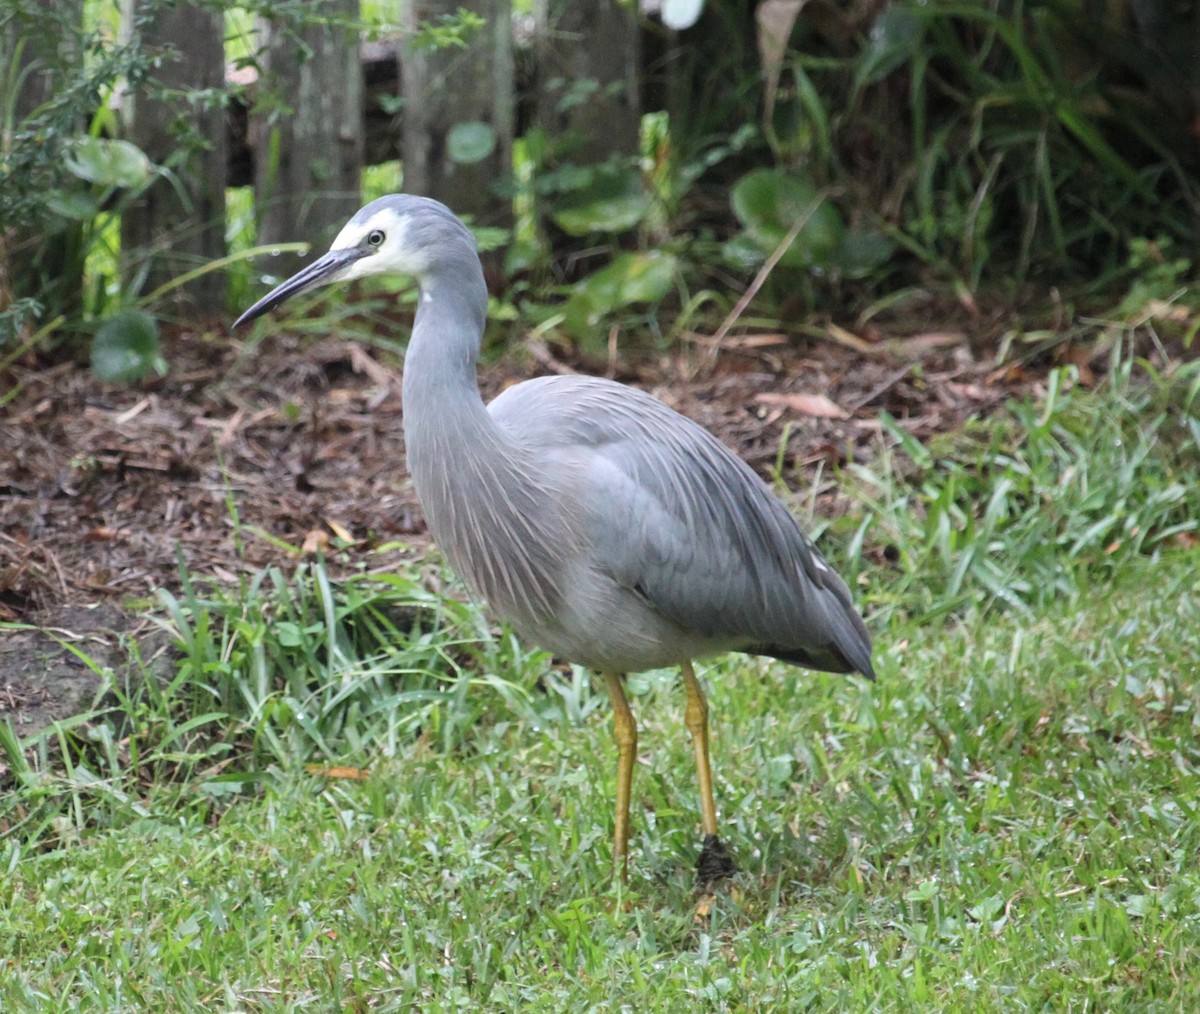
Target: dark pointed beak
{"points": [[320, 272]]}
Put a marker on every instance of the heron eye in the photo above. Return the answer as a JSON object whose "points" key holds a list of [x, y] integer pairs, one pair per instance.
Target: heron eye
{"points": [[376, 237]]}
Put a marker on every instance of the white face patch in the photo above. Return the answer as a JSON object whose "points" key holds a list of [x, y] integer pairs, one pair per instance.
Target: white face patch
{"points": [[393, 256], [354, 232]]}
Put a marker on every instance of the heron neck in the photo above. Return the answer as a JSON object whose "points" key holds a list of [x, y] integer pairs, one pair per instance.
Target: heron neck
{"points": [[478, 487], [444, 414]]}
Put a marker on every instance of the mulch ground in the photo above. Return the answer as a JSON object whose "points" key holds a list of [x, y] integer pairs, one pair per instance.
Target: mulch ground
{"points": [[243, 451]]}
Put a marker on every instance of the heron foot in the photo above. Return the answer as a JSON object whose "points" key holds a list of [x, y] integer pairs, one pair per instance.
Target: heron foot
{"points": [[715, 862]]}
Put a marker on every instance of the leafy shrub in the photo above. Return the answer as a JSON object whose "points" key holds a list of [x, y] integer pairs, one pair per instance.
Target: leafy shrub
{"points": [[55, 172]]}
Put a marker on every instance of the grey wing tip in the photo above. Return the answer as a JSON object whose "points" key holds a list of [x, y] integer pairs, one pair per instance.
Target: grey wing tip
{"points": [[857, 649], [856, 657], [839, 658]]}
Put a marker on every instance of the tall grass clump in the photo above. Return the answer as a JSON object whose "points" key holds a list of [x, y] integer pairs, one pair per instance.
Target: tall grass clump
{"points": [[284, 671], [1058, 493], [994, 144]]}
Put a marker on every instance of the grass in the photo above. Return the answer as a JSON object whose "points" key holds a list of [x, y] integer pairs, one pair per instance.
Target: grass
{"points": [[1004, 822], [1043, 500]]}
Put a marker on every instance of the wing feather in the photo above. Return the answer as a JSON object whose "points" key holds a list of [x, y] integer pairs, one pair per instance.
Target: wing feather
{"points": [[677, 517]]}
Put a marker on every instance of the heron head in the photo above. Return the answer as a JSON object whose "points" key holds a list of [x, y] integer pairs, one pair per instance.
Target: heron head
{"points": [[398, 234]]}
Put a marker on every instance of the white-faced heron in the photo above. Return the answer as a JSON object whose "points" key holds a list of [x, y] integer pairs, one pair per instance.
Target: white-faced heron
{"points": [[599, 523]]}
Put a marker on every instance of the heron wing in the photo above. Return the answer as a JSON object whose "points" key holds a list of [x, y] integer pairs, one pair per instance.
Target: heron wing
{"points": [[675, 516]]}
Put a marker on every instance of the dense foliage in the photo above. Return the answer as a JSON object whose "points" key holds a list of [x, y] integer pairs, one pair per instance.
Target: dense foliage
{"points": [[977, 147], [58, 77]]}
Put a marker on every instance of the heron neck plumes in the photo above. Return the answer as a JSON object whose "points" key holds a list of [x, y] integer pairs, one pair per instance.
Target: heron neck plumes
{"points": [[444, 414], [472, 479]]}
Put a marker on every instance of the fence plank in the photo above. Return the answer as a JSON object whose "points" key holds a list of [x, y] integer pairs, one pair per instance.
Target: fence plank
{"points": [[38, 53], [179, 223], [307, 127], [447, 93], [588, 71]]}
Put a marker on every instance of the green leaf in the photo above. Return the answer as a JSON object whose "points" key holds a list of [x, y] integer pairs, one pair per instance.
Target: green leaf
{"points": [[569, 179], [126, 348], [896, 37], [490, 237], [923, 892], [73, 205], [743, 253], [108, 162], [290, 634], [471, 142], [613, 201], [630, 278], [769, 202], [861, 253]]}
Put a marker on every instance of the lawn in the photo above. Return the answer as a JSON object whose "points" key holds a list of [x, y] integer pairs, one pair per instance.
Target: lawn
{"points": [[350, 797]]}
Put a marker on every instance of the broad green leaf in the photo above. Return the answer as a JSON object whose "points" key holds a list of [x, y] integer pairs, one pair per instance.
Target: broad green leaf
{"points": [[614, 201], [73, 205], [923, 892], [488, 238], [631, 278], [743, 252], [470, 142], [567, 179], [861, 253], [126, 348], [108, 162], [769, 202]]}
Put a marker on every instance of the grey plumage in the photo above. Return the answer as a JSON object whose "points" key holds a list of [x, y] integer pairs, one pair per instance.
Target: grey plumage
{"points": [[668, 527], [601, 524]]}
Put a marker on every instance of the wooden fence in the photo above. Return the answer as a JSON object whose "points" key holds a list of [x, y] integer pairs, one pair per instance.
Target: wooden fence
{"points": [[321, 103]]}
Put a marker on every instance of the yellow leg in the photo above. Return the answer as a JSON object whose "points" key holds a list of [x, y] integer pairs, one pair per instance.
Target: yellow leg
{"points": [[696, 718], [625, 734]]}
